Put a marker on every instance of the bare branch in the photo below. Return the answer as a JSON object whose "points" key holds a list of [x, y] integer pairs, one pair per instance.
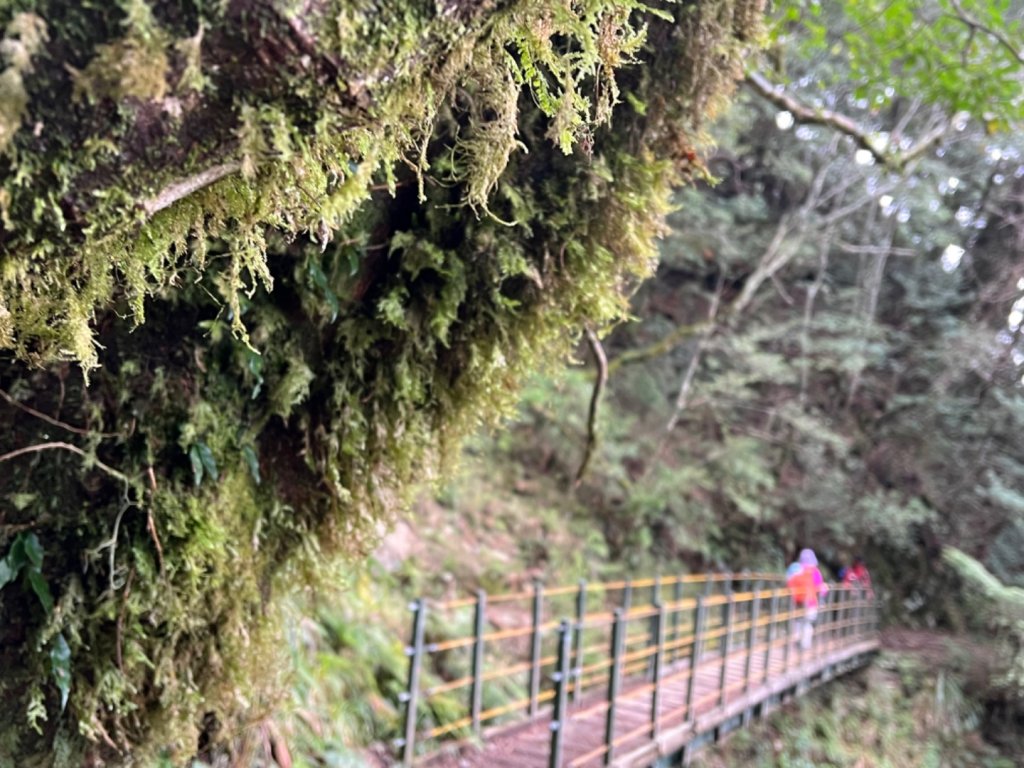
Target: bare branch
{"points": [[874, 249], [50, 420], [844, 124], [65, 447], [601, 360], [805, 329], [179, 190], [686, 384], [662, 346], [975, 24]]}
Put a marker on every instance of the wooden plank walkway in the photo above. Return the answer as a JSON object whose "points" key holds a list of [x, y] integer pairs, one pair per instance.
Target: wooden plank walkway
{"points": [[637, 743]]}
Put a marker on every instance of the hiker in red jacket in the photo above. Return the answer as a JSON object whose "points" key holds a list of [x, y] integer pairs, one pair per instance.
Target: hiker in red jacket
{"points": [[857, 576]]}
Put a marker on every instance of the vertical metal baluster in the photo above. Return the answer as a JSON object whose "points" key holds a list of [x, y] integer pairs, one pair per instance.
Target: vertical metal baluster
{"points": [[415, 652], [723, 679], [577, 662], [774, 617], [535, 646], [677, 612], [755, 614], [614, 682], [691, 683], [561, 679], [659, 658], [655, 603], [790, 623], [477, 691]]}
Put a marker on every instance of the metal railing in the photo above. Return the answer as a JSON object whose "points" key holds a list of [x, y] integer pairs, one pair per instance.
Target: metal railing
{"points": [[498, 659]]}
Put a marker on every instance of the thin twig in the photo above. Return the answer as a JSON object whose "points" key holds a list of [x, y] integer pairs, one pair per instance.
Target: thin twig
{"points": [[691, 370], [601, 360], [151, 525], [120, 620], [50, 420], [999, 35], [66, 447]]}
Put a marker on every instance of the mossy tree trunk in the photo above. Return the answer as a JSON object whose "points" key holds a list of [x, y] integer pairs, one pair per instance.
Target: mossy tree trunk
{"points": [[262, 264]]}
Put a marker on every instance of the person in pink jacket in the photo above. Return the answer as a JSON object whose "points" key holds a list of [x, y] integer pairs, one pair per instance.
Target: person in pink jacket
{"points": [[808, 587]]}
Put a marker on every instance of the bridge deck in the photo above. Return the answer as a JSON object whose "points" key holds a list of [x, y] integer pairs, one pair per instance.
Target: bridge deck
{"points": [[636, 743]]}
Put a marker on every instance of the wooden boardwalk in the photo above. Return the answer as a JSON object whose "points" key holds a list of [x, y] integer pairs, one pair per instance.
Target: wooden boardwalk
{"points": [[614, 687], [639, 744]]}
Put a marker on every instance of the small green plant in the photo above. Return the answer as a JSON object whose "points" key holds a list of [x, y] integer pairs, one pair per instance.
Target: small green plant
{"points": [[25, 558]]}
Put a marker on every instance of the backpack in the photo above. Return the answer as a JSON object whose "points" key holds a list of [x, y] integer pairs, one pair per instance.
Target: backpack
{"points": [[801, 585]]}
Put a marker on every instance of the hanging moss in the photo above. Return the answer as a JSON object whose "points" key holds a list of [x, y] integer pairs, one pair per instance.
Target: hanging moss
{"points": [[299, 256]]}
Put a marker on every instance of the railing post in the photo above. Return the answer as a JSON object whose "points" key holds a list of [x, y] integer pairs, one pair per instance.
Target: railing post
{"points": [[774, 617], [659, 659], [821, 636], [790, 621], [476, 692], [627, 596], [677, 597], [755, 614], [861, 613], [535, 646], [614, 681], [723, 679], [561, 680], [415, 653], [691, 683], [655, 603], [577, 662]]}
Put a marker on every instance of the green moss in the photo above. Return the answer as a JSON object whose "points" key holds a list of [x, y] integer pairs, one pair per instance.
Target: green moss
{"points": [[25, 35]]}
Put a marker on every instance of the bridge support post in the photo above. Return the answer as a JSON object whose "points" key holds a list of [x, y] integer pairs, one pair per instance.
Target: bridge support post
{"points": [[577, 659], [415, 653], [614, 683], [476, 692], [561, 679], [535, 647]]}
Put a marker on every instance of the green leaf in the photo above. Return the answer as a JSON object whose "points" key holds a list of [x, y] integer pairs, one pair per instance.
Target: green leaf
{"points": [[16, 557], [33, 550], [255, 364], [320, 281], [7, 573], [197, 465], [42, 589], [206, 457], [252, 461], [60, 668]]}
